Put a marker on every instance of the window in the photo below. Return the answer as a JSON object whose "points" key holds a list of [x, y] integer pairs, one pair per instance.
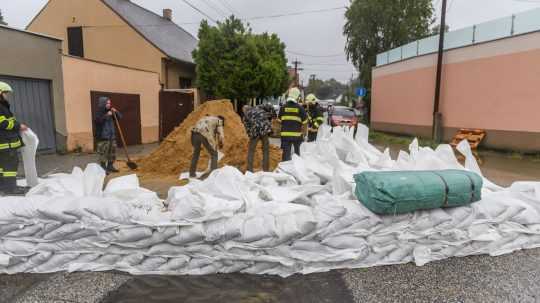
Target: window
{"points": [[185, 83], [75, 41]]}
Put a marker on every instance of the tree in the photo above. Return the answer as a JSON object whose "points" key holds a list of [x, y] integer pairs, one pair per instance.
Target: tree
{"points": [[375, 26], [2, 22], [272, 76], [329, 89], [437, 29], [234, 63]]}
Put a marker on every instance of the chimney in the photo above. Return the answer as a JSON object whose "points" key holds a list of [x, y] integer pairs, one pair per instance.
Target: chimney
{"points": [[167, 14]]}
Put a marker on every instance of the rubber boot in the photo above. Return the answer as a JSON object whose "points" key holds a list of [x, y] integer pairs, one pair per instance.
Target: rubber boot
{"points": [[11, 189], [2, 186], [111, 168]]}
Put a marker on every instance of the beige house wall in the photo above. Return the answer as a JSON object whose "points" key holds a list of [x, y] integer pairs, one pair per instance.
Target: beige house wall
{"points": [[83, 76], [175, 70], [491, 86], [107, 37]]}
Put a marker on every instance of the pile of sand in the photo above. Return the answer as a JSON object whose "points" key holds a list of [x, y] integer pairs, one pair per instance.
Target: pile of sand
{"points": [[174, 154]]}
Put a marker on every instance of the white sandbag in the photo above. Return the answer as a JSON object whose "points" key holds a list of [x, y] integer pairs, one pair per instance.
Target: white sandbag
{"points": [[28, 152]]}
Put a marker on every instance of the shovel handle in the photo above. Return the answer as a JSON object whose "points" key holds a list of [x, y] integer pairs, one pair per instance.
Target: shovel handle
{"points": [[121, 136]]}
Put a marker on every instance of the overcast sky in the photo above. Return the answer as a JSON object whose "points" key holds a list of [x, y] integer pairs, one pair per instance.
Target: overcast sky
{"points": [[316, 34]]}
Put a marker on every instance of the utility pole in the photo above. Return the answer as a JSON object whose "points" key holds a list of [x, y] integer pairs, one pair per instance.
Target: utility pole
{"points": [[296, 69], [437, 116]]}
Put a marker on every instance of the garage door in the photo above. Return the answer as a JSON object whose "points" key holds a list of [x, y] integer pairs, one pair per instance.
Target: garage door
{"points": [[32, 105]]}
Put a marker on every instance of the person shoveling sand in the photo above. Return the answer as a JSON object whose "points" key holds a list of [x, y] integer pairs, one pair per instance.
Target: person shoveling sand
{"points": [[173, 156]]}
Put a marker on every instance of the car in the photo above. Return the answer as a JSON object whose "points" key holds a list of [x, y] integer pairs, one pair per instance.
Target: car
{"points": [[342, 116]]}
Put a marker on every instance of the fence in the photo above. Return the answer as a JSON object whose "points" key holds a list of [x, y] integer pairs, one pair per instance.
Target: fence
{"points": [[517, 24]]}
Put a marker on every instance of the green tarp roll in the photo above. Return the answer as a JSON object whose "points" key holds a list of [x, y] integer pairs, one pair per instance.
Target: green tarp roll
{"points": [[397, 192]]}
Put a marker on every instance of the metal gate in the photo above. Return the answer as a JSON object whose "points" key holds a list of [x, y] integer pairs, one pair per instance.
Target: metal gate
{"points": [[174, 107], [32, 105]]}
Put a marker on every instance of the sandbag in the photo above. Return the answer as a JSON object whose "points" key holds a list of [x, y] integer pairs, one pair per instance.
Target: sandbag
{"points": [[397, 192]]}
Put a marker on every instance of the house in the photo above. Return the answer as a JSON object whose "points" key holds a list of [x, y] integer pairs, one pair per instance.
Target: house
{"points": [[32, 64], [123, 33], [112, 48]]}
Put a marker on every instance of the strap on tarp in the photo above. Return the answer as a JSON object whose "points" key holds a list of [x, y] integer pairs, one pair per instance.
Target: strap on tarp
{"points": [[446, 190]]}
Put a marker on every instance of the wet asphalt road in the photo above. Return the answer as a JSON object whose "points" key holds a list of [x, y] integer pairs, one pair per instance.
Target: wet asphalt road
{"points": [[509, 278]]}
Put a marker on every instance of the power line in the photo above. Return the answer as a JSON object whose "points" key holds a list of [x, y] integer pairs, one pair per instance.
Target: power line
{"points": [[314, 56], [215, 8], [296, 13], [331, 70], [229, 7], [200, 11], [327, 64]]}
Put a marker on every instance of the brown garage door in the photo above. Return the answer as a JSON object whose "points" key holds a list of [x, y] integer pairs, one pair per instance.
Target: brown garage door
{"points": [[130, 107], [174, 107]]}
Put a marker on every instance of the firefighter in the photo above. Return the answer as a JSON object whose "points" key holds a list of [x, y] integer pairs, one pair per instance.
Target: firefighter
{"points": [[10, 142], [315, 117], [293, 119]]}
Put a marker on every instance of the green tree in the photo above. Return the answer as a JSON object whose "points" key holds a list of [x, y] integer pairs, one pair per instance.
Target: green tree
{"points": [[437, 29], [2, 22], [234, 63], [376, 26], [271, 75], [329, 89], [314, 85]]}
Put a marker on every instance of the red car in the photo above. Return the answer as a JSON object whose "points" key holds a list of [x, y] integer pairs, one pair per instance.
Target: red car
{"points": [[342, 116]]}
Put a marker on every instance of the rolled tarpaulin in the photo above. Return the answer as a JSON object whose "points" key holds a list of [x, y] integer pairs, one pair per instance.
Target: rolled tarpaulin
{"points": [[397, 192]]}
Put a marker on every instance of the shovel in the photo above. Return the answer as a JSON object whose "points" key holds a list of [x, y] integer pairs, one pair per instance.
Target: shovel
{"points": [[132, 165]]}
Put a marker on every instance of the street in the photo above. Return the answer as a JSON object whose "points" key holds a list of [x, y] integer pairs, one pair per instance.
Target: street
{"points": [[508, 278], [142, 118]]}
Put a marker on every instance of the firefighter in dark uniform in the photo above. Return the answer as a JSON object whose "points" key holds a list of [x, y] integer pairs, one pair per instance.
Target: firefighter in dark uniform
{"points": [[293, 119], [315, 117], [10, 142]]}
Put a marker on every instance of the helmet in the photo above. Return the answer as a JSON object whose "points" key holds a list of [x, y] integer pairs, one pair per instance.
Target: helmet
{"points": [[294, 94], [311, 98], [4, 87]]}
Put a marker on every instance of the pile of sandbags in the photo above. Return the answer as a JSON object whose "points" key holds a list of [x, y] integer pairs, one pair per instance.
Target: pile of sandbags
{"points": [[302, 218]]}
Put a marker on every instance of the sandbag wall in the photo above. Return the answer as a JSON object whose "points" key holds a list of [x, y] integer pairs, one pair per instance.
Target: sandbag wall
{"points": [[303, 218]]}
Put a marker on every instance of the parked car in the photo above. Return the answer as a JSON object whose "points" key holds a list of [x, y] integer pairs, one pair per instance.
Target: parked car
{"points": [[342, 116], [325, 104]]}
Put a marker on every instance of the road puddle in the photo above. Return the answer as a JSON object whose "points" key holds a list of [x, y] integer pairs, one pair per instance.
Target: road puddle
{"points": [[232, 288]]}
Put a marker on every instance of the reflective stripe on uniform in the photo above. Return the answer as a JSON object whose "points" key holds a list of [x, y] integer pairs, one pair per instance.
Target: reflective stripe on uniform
{"points": [[291, 118], [11, 124], [291, 134], [291, 110], [11, 145], [8, 174]]}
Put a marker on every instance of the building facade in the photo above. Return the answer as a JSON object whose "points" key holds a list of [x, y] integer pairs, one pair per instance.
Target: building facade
{"points": [[490, 81], [122, 33]]}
